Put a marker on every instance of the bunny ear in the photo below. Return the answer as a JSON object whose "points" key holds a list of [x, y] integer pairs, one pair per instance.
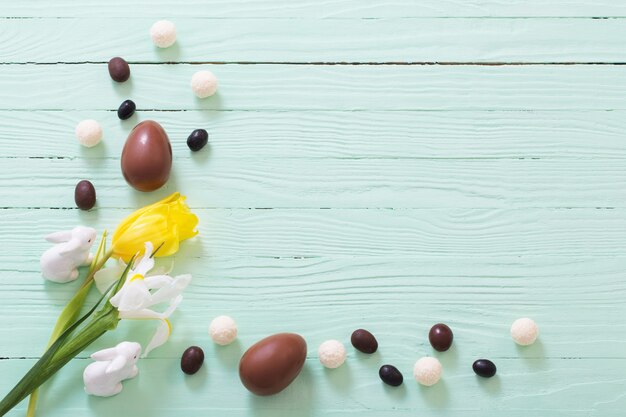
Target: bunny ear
{"points": [[59, 237], [104, 354], [116, 365], [70, 247]]}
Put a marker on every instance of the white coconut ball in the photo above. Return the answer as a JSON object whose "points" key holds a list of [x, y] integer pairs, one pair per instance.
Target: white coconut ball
{"points": [[204, 84], [427, 371], [524, 331], [223, 330], [332, 354], [89, 132], [163, 33]]}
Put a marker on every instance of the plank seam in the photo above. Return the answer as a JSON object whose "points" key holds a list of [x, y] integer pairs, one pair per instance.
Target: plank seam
{"points": [[336, 63]]}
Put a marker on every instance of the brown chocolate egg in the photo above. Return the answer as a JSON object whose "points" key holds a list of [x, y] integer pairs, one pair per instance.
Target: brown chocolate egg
{"points": [[147, 157], [271, 364]]}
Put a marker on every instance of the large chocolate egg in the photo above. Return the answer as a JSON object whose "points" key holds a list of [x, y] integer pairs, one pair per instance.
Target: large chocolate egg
{"points": [[271, 364], [147, 157]]}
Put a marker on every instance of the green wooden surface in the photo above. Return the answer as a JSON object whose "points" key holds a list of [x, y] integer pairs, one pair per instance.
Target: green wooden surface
{"points": [[349, 182]]}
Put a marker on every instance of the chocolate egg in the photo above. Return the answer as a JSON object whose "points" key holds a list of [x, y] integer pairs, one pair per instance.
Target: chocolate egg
{"points": [[147, 157], [271, 364]]}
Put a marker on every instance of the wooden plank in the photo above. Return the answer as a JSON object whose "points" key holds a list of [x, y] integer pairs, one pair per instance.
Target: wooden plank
{"points": [[348, 390], [478, 296], [319, 134], [324, 183], [440, 233], [315, 87], [406, 195], [159, 9], [314, 40]]}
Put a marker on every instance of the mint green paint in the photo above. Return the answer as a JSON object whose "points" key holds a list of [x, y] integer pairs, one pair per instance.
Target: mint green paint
{"points": [[400, 196], [320, 40], [327, 9], [319, 87]]}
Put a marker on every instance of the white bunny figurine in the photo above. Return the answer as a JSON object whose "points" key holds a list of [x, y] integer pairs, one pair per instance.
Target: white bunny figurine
{"points": [[60, 262], [104, 377]]}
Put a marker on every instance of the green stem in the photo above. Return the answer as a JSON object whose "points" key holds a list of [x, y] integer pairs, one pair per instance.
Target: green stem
{"points": [[72, 309], [46, 367], [64, 349]]}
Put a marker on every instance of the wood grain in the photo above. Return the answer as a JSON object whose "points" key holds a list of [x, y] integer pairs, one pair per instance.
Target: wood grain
{"points": [[396, 297], [325, 183], [323, 134], [315, 87], [314, 40], [346, 392], [347, 233], [159, 9], [342, 188]]}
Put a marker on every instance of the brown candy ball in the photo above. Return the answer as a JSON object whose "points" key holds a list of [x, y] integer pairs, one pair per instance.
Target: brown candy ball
{"points": [[440, 337], [364, 341], [85, 195], [191, 360], [119, 69]]}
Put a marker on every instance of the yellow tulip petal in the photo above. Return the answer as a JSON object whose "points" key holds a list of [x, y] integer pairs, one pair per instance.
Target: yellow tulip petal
{"points": [[164, 224], [128, 221]]}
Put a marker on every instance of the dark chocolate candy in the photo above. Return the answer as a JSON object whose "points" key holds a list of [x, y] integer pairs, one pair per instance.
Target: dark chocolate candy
{"points": [[191, 360], [126, 109], [440, 337], [390, 375], [364, 341], [484, 368], [119, 69], [85, 195], [197, 139]]}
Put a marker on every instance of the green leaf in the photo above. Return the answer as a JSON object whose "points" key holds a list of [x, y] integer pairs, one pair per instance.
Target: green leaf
{"points": [[34, 378], [63, 349], [71, 310]]}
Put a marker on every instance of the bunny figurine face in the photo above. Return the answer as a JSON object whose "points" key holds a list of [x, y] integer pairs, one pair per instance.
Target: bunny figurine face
{"points": [[60, 263], [104, 377], [86, 236]]}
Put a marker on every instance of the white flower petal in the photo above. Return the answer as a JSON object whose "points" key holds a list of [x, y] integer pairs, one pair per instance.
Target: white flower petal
{"points": [[160, 337], [176, 287], [158, 281], [133, 296], [142, 314], [105, 277], [146, 263]]}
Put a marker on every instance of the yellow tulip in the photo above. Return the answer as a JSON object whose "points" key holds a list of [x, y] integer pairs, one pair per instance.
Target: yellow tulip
{"points": [[165, 224]]}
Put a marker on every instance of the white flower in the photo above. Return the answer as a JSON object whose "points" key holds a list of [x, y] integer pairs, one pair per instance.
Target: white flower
{"points": [[141, 292]]}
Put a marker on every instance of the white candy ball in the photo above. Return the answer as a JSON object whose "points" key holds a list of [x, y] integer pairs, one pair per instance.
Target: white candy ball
{"points": [[524, 331], [89, 132], [427, 371], [163, 33], [223, 330], [204, 84], [332, 354]]}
